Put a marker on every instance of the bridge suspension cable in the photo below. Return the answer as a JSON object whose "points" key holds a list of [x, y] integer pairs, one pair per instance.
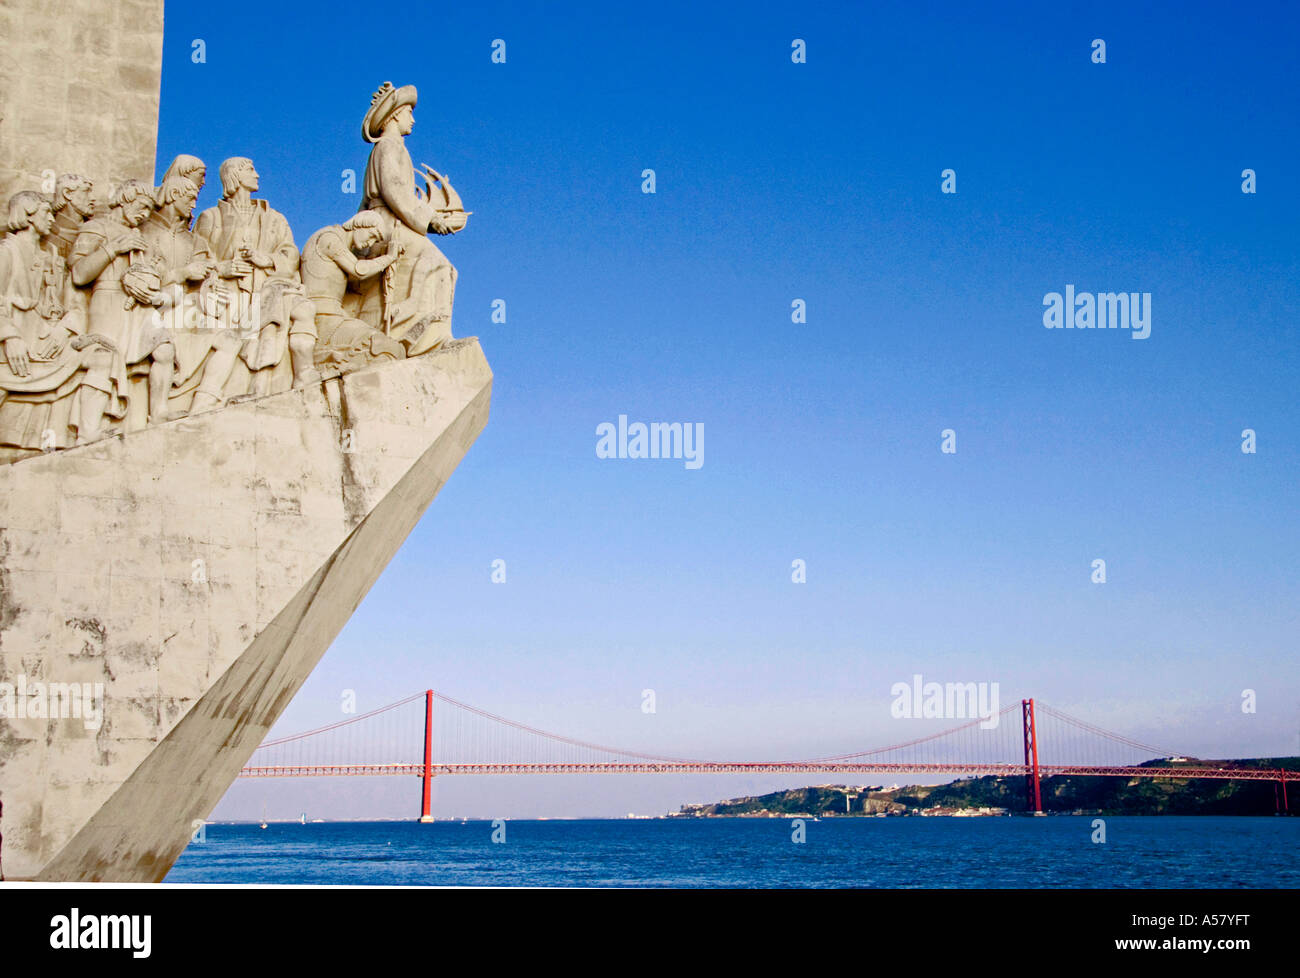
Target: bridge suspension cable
{"points": [[429, 734]]}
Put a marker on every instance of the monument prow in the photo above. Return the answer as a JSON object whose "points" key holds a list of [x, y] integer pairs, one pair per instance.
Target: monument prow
{"points": [[197, 571], [211, 444]]}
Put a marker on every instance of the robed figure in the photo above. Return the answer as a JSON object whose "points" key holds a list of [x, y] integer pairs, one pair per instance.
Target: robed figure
{"points": [[41, 332], [257, 290], [411, 302]]}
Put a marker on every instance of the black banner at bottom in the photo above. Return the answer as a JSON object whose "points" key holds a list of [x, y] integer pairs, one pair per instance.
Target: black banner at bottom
{"points": [[166, 925]]}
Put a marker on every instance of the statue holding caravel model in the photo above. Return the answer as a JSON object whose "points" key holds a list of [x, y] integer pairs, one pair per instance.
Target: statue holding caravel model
{"points": [[113, 320]]}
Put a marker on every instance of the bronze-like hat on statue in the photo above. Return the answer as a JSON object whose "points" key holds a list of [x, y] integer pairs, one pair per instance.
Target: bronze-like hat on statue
{"points": [[383, 104]]}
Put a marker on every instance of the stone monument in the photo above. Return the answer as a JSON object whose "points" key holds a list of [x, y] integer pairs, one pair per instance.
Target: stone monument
{"points": [[211, 444], [99, 115]]}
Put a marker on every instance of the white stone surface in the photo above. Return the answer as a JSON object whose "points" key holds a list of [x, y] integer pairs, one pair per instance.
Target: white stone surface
{"points": [[199, 569], [79, 83]]}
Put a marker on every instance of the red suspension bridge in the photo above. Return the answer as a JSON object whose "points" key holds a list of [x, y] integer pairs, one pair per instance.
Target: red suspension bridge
{"points": [[428, 735]]}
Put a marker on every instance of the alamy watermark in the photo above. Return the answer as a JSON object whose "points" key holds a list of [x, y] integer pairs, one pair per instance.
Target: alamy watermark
{"points": [[659, 439], [53, 701], [77, 931], [945, 701], [1103, 310]]}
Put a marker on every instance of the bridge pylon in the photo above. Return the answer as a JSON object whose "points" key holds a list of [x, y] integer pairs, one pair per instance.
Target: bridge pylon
{"points": [[1033, 794], [427, 776]]}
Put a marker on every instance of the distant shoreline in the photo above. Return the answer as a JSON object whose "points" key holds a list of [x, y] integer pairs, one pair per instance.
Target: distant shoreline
{"points": [[995, 796]]}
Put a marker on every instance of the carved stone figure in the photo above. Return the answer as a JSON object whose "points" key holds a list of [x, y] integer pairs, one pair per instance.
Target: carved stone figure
{"points": [[206, 353], [337, 263], [112, 257], [113, 321], [41, 336], [198, 569], [187, 166], [257, 283], [180, 256], [73, 205], [414, 306]]}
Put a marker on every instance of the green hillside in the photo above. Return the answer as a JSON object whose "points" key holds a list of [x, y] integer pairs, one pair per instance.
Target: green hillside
{"points": [[1087, 795]]}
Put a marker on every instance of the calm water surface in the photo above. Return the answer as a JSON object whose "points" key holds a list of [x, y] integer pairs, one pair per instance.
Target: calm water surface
{"points": [[1168, 851]]}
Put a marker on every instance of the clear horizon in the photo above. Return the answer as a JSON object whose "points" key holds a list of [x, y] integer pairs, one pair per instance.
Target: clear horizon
{"points": [[819, 182]]}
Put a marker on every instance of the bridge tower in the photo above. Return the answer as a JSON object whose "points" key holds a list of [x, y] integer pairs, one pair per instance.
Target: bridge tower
{"points": [[427, 775], [1033, 795]]}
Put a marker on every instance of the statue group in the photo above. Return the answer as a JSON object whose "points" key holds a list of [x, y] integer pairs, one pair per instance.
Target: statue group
{"points": [[114, 320]]}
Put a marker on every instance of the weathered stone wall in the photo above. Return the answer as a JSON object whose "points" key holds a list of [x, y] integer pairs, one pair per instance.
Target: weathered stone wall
{"points": [[198, 570], [79, 87]]}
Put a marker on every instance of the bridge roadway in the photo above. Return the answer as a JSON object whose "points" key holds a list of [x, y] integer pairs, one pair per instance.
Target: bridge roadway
{"points": [[763, 767]]}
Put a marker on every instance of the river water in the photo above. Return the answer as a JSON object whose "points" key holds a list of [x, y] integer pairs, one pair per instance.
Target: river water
{"points": [[1056, 851]]}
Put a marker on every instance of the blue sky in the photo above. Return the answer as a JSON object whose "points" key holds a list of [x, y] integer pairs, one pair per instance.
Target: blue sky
{"points": [[818, 181]]}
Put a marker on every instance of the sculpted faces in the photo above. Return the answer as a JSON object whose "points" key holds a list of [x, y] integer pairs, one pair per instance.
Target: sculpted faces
{"points": [[24, 278], [190, 167], [415, 309], [337, 261], [42, 218], [182, 257], [112, 258], [259, 284], [113, 320], [73, 204], [205, 356], [40, 331]]}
